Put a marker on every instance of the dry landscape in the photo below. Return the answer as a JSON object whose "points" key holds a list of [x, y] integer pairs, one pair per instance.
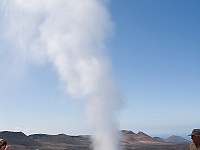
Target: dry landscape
{"points": [[130, 141]]}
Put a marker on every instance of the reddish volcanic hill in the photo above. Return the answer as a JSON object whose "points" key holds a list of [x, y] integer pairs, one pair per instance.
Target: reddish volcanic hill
{"points": [[131, 138]]}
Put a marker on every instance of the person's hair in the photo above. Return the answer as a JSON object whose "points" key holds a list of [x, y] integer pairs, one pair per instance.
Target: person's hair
{"points": [[4, 144]]}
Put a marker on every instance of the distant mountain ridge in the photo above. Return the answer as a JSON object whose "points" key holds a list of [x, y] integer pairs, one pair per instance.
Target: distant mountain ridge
{"points": [[131, 140], [159, 139], [176, 140], [18, 138]]}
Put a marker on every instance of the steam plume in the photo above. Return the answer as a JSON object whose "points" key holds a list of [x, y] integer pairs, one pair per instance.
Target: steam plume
{"points": [[71, 35]]}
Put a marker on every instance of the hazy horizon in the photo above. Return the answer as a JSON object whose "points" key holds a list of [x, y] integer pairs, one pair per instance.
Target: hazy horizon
{"points": [[164, 136]]}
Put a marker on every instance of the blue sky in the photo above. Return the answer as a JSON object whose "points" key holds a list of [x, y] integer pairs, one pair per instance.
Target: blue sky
{"points": [[155, 55], [156, 59]]}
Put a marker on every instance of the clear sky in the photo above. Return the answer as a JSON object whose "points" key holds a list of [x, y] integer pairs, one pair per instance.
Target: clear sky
{"points": [[154, 51]]}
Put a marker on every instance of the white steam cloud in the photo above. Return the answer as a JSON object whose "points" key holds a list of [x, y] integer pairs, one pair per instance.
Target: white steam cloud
{"points": [[71, 35]]}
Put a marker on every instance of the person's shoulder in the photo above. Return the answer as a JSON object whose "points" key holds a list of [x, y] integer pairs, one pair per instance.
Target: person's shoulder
{"points": [[192, 146], [198, 148]]}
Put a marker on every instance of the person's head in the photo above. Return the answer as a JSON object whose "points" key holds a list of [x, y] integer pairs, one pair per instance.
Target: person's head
{"points": [[3, 144], [195, 136]]}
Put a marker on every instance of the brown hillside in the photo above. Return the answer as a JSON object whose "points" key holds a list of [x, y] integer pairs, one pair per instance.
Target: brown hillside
{"points": [[130, 140]]}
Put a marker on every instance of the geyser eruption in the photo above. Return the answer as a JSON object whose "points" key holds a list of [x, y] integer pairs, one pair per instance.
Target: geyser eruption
{"points": [[70, 34]]}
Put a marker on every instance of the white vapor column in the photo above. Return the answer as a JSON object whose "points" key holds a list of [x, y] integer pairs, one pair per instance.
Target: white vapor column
{"points": [[70, 34]]}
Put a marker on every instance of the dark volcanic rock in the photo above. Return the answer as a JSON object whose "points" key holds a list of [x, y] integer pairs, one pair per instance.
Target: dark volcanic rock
{"points": [[18, 138], [57, 139], [61, 141]]}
